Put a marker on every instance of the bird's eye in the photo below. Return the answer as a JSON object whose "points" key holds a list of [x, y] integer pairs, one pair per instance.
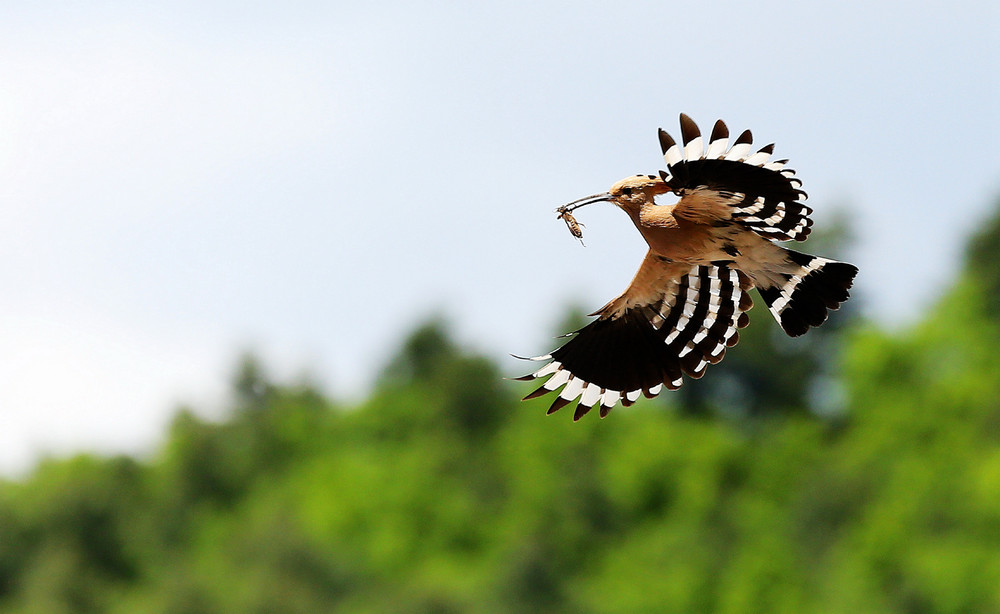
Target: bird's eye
{"points": [[627, 191]]}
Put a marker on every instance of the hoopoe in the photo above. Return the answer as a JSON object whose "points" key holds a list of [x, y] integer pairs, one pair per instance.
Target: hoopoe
{"points": [[690, 295]]}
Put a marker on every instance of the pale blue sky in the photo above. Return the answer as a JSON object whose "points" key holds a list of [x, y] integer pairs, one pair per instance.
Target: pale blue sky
{"points": [[179, 181]]}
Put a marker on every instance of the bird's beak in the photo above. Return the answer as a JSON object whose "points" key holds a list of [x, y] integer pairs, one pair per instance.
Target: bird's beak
{"points": [[586, 200]]}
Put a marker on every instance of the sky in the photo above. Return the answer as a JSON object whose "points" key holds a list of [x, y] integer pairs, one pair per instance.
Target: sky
{"points": [[182, 182]]}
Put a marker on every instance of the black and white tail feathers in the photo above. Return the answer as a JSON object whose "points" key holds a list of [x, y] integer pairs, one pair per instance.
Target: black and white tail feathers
{"points": [[807, 294]]}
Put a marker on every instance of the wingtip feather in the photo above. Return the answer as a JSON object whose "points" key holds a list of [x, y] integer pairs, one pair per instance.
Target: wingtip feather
{"points": [[666, 141], [689, 129]]}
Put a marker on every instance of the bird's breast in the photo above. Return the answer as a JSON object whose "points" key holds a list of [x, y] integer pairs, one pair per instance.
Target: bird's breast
{"points": [[684, 242]]}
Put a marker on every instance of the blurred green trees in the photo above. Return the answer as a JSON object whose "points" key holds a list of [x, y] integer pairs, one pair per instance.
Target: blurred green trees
{"points": [[442, 493]]}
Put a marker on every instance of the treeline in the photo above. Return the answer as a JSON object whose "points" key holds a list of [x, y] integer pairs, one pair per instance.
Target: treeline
{"points": [[854, 470]]}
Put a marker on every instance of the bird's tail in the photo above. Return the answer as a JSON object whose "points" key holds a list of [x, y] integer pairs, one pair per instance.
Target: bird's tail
{"points": [[804, 294]]}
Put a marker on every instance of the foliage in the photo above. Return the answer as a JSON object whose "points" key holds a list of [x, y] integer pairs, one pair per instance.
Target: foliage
{"points": [[441, 493], [982, 261]]}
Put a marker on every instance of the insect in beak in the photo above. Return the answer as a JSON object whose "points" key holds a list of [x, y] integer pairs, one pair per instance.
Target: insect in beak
{"points": [[571, 223]]}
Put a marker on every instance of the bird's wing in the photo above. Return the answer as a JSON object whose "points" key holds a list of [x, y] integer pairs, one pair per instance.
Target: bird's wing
{"points": [[722, 183], [672, 320]]}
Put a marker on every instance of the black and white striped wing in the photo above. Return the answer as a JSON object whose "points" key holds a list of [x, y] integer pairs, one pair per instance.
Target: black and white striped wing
{"points": [[764, 195], [639, 347]]}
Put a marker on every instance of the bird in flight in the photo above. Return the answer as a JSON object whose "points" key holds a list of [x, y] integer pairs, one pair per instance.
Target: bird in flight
{"points": [[706, 251]]}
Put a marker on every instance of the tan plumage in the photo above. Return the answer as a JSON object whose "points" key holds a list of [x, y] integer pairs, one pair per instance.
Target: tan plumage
{"points": [[687, 300]]}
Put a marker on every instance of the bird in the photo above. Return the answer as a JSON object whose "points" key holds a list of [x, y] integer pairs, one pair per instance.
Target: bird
{"points": [[690, 296]]}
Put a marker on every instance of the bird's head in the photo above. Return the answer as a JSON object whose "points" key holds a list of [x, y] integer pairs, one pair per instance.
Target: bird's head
{"points": [[628, 194], [634, 191]]}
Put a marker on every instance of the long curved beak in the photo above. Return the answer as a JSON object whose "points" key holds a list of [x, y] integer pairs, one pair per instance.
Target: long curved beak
{"points": [[586, 200]]}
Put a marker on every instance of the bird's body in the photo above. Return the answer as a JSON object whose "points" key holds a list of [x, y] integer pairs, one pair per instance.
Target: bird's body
{"points": [[706, 251]]}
